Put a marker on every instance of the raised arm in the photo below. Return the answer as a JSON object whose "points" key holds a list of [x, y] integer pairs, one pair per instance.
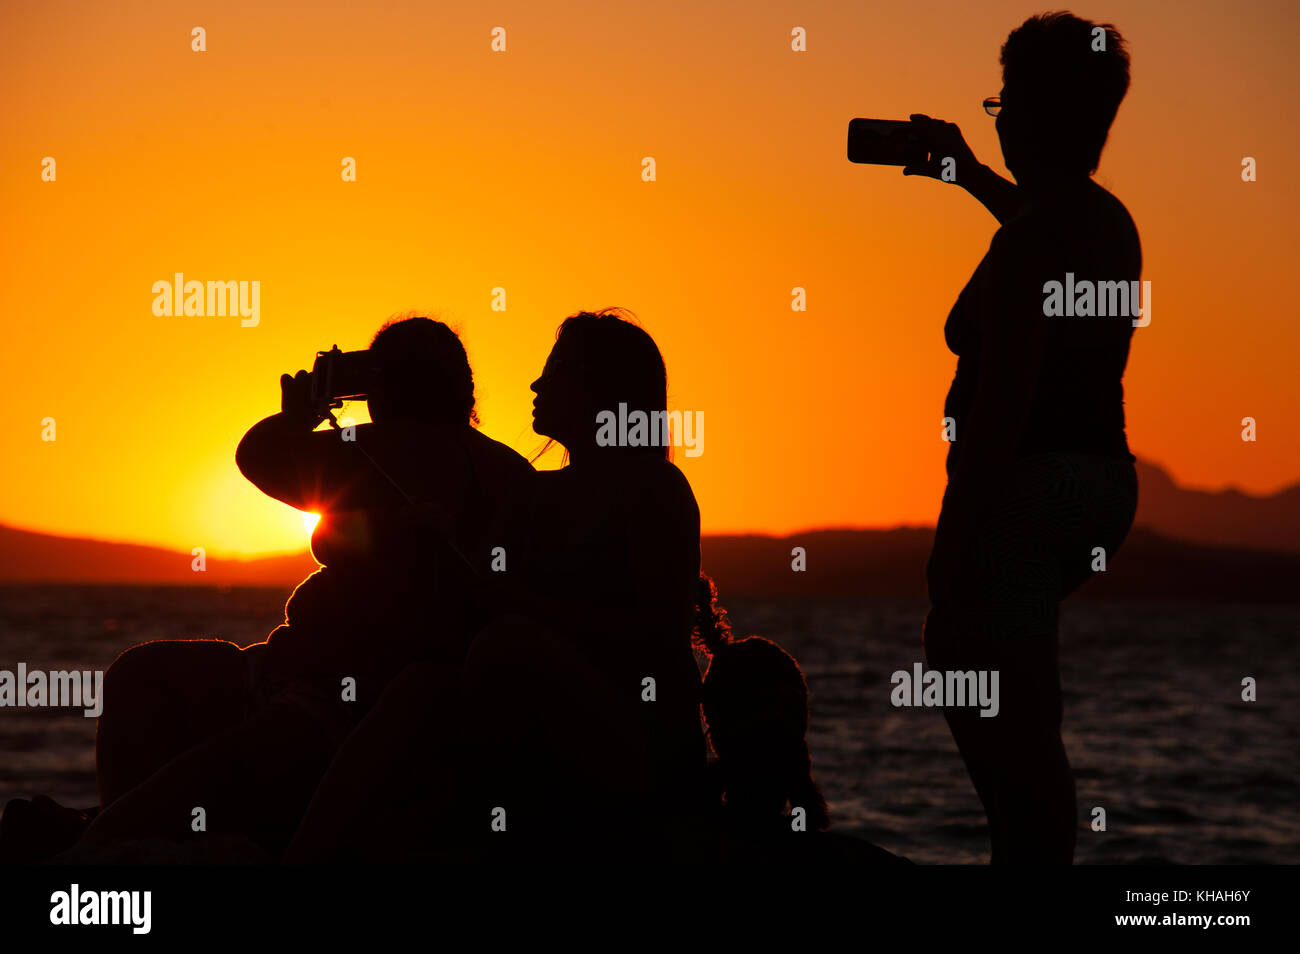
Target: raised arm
{"points": [[944, 140], [286, 458], [271, 453]]}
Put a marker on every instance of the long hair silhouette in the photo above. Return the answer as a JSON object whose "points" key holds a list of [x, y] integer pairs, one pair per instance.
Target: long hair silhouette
{"points": [[630, 371]]}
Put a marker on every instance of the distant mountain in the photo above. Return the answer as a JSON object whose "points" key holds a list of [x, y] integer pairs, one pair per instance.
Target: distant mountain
{"points": [[891, 563], [27, 557], [839, 563], [836, 563], [1224, 518], [1187, 544]]}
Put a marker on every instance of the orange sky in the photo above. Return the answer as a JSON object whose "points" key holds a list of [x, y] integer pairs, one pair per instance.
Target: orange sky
{"points": [[522, 170]]}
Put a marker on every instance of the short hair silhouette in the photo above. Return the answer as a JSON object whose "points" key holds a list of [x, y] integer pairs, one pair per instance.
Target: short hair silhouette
{"points": [[425, 373], [1067, 90]]}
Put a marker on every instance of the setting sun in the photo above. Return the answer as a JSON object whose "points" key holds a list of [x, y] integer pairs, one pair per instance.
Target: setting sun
{"points": [[309, 521]]}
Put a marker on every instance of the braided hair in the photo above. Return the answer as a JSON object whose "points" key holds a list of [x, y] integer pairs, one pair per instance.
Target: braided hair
{"points": [[756, 706]]}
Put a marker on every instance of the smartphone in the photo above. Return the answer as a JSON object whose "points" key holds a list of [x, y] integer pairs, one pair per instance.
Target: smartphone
{"points": [[342, 375], [885, 142]]}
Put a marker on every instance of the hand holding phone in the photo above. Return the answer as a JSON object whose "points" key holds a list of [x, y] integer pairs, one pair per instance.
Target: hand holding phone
{"points": [[920, 145], [296, 400], [884, 142], [940, 141]]}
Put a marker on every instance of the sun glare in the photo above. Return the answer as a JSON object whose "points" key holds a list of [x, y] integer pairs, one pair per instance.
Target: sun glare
{"points": [[309, 521]]}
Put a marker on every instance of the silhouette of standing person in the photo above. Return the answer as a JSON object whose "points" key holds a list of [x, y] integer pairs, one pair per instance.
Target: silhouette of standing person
{"points": [[1040, 478]]}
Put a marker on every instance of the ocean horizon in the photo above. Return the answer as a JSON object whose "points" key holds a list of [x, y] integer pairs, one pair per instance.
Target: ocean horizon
{"points": [[1155, 727]]}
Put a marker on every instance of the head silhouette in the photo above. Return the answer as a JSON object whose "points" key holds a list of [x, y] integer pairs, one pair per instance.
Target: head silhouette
{"points": [[1063, 79], [755, 702], [424, 374], [599, 361]]}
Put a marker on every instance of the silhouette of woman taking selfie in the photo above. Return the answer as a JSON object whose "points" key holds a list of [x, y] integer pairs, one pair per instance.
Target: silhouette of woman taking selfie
{"points": [[1040, 478]]}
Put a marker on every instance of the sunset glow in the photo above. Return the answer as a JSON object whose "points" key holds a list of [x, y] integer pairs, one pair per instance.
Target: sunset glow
{"points": [[522, 171]]}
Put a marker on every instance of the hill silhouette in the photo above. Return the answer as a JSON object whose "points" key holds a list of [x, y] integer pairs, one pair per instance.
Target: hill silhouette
{"points": [[891, 563], [1186, 544], [1221, 518], [27, 557]]}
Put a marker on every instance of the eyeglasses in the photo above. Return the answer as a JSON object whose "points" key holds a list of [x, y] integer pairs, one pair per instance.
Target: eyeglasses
{"points": [[993, 105]]}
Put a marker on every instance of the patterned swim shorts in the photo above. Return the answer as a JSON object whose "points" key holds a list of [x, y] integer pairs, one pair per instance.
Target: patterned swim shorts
{"points": [[1037, 544]]}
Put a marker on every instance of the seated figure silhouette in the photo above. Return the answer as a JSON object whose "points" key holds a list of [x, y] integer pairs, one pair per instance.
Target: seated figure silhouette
{"points": [[577, 713], [766, 806], [410, 506], [1039, 470], [755, 702]]}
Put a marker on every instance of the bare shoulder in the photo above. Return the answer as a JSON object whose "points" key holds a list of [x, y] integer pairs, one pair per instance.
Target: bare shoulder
{"points": [[1109, 204], [642, 481], [1091, 216], [659, 486], [504, 460], [1113, 219]]}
